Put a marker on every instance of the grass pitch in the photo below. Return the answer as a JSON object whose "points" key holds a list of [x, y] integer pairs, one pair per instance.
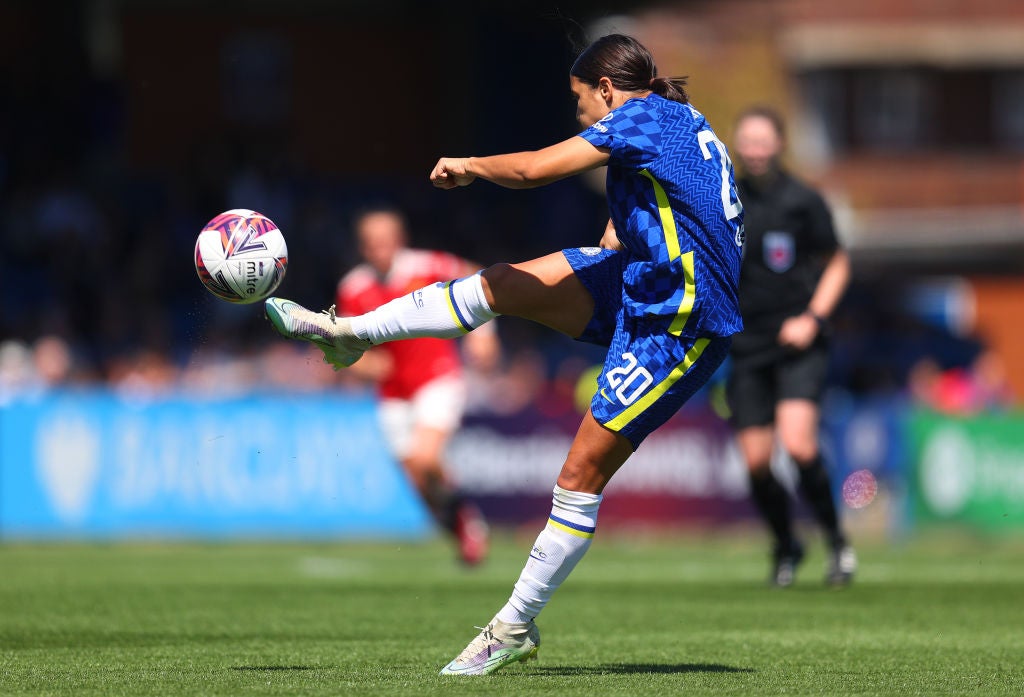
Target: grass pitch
{"points": [[647, 617]]}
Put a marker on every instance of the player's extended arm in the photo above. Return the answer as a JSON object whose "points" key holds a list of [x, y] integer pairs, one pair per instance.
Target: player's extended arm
{"points": [[800, 331], [521, 170]]}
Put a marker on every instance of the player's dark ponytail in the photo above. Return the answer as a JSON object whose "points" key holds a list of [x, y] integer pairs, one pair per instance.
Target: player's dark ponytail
{"points": [[671, 88], [629, 65]]}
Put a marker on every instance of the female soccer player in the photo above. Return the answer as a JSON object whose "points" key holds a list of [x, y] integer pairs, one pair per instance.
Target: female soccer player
{"points": [[422, 392], [660, 294]]}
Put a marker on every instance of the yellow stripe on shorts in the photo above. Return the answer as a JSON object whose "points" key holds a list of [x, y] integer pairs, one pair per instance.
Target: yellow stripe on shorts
{"points": [[654, 394]]}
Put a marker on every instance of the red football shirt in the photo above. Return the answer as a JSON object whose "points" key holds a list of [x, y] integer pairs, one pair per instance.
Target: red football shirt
{"points": [[416, 361]]}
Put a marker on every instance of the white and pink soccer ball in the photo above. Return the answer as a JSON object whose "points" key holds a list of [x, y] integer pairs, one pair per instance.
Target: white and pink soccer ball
{"points": [[241, 256]]}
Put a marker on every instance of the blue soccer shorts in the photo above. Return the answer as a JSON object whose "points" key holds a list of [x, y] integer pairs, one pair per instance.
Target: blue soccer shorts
{"points": [[648, 373]]}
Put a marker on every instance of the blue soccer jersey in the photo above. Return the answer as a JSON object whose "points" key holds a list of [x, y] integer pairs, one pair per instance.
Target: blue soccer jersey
{"points": [[672, 199]]}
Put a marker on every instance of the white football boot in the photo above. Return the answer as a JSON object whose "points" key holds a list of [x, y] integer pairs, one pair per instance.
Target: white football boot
{"points": [[497, 645], [331, 334]]}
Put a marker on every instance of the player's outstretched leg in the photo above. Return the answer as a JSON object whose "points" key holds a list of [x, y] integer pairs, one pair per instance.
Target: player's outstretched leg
{"points": [[442, 310], [333, 335], [544, 290]]}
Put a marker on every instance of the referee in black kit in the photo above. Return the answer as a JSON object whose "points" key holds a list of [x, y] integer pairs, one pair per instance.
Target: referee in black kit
{"points": [[793, 275]]}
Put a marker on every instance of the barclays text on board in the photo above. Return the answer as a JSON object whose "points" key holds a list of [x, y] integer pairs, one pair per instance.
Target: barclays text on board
{"points": [[95, 465]]}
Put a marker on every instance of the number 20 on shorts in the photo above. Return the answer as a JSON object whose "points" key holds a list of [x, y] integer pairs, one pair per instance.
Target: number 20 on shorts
{"points": [[630, 380]]}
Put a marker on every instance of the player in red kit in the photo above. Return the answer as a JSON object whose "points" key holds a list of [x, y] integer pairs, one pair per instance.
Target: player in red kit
{"points": [[422, 393]]}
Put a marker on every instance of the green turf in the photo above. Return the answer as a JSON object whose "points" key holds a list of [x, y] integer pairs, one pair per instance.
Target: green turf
{"points": [[638, 618]]}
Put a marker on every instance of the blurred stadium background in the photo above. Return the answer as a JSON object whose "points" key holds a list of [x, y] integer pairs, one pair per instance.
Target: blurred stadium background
{"points": [[135, 405]]}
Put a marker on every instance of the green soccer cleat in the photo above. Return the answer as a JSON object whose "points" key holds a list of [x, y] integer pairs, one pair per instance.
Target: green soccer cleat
{"points": [[497, 645], [333, 335]]}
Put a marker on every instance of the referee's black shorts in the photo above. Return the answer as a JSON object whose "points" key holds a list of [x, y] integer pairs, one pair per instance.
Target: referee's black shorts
{"points": [[756, 386]]}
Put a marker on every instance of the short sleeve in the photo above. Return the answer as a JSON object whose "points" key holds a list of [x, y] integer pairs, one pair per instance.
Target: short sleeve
{"points": [[821, 232], [631, 133]]}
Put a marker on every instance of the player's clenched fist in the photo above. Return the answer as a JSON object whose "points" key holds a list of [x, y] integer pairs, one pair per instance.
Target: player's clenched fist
{"points": [[450, 172]]}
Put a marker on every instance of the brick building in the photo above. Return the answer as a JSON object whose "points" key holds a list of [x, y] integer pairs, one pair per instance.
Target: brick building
{"points": [[908, 113]]}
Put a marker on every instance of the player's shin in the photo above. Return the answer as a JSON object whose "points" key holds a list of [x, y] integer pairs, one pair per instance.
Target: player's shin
{"points": [[442, 310], [559, 547]]}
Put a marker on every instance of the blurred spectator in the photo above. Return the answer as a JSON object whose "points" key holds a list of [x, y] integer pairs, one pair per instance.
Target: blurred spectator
{"points": [[51, 358], [961, 391], [17, 374], [144, 374]]}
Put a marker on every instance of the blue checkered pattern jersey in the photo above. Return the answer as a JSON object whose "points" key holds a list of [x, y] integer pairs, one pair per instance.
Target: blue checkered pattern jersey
{"points": [[672, 199]]}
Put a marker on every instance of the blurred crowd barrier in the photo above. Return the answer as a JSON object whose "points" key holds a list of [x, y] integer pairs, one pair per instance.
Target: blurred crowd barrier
{"points": [[99, 463]]}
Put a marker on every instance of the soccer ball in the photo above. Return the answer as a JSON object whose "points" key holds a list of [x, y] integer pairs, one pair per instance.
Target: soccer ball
{"points": [[241, 256]]}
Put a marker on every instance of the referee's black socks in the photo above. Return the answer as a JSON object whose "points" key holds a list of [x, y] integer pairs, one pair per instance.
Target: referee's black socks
{"points": [[817, 491], [772, 501]]}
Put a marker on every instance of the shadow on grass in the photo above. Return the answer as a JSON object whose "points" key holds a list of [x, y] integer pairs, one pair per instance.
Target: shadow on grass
{"points": [[272, 668], [634, 668]]}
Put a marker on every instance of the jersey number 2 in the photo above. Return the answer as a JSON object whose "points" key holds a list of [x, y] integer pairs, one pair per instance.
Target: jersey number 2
{"points": [[732, 210], [632, 377]]}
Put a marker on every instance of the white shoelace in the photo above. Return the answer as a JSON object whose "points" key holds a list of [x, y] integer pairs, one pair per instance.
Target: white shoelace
{"points": [[486, 637]]}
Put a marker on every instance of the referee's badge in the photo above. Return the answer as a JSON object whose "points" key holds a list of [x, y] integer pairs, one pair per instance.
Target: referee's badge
{"points": [[779, 250]]}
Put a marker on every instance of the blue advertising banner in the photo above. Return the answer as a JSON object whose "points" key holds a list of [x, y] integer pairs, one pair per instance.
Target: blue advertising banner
{"points": [[88, 465], [96, 465]]}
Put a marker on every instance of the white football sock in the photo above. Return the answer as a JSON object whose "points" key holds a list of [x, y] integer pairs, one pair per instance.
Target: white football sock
{"points": [[558, 549], [442, 310]]}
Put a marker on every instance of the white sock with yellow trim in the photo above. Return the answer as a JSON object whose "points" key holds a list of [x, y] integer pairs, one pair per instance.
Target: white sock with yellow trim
{"points": [[443, 310], [559, 547]]}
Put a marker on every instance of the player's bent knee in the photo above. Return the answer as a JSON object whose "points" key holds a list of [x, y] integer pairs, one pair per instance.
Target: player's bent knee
{"points": [[498, 282]]}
